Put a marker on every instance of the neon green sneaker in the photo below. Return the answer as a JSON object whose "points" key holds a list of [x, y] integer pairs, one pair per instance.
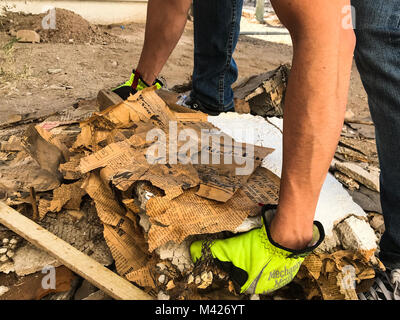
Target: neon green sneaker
{"points": [[133, 85], [255, 263]]}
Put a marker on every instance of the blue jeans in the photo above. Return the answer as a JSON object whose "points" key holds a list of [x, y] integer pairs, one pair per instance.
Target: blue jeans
{"points": [[377, 56], [216, 32]]}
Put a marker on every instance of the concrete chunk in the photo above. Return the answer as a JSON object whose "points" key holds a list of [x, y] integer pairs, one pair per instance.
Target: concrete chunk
{"points": [[357, 235], [178, 254], [29, 259]]}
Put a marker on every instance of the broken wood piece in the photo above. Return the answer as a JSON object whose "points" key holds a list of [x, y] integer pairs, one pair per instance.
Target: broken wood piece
{"points": [[346, 181], [13, 144], [368, 123], [265, 92], [369, 179], [107, 98], [30, 118], [171, 98], [366, 147], [103, 278]]}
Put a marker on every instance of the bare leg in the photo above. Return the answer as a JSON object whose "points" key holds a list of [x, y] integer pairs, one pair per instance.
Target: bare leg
{"points": [[166, 20], [314, 110]]}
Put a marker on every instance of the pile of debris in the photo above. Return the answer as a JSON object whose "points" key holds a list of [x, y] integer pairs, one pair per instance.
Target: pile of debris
{"points": [[133, 185], [55, 26]]}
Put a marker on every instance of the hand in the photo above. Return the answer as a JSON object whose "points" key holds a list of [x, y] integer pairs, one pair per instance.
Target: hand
{"points": [[255, 263], [133, 85]]}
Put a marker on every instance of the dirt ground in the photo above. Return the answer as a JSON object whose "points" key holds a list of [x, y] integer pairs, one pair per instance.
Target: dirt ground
{"points": [[27, 84]]}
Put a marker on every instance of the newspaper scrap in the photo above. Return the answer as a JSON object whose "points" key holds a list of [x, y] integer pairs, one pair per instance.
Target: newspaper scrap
{"points": [[126, 161], [223, 198], [122, 234], [189, 214], [54, 140], [143, 277], [67, 196], [221, 179], [335, 275], [70, 170]]}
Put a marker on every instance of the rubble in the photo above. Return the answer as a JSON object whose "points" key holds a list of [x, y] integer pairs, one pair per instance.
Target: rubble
{"points": [[97, 191], [84, 290], [178, 254], [29, 259], [365, 130], [357, 235], [264, 93], [162, 296], [71, 27]]}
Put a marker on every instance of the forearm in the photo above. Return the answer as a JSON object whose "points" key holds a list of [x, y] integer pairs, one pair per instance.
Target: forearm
{"points": [[165, 23], [314, 110]]}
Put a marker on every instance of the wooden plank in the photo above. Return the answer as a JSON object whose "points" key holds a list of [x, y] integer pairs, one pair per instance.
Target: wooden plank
{"points": [[103, 278], [107, 98]]}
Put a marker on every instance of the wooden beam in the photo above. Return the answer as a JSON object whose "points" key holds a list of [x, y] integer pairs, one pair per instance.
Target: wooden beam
{"points": [[101, 277]]}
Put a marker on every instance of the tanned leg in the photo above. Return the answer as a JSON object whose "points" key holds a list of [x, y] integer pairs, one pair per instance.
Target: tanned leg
{"points": [[314, 110]]}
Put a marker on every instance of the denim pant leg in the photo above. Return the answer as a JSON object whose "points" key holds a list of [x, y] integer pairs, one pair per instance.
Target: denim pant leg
{"points": [[216, 32], [377, 56]]}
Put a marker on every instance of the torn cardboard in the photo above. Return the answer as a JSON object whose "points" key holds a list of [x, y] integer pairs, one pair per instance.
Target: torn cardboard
{"points": [[24, 172]]}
